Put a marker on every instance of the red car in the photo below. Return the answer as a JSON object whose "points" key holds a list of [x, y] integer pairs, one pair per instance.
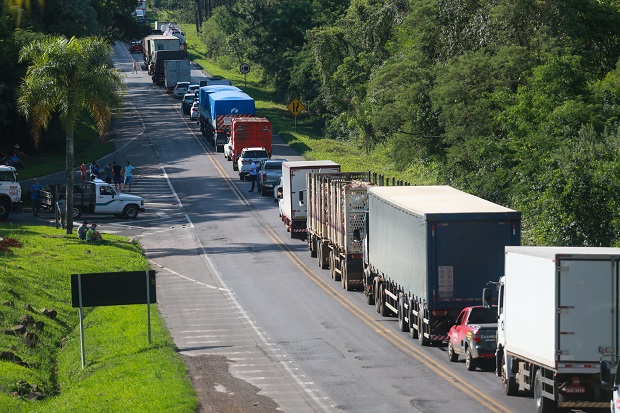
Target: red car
{"points": [[473, 335], [135, 47]]}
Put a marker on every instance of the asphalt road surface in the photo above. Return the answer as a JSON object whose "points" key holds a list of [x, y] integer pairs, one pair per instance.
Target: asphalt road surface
{"points": [[260, 326]]}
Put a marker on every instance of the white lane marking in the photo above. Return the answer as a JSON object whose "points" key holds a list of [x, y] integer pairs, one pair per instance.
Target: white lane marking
{"points": [[213, 287]]}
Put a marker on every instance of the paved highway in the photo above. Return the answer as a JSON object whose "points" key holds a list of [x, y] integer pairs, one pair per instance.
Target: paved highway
{"points": [[232, 283]]}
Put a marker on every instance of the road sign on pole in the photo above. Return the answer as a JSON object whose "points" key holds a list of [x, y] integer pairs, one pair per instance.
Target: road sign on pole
{"points": [[245, 69], [296, 107]]}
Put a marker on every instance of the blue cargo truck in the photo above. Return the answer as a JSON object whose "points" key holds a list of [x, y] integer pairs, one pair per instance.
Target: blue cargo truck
{"points": [[428, 252], [217, 109]]}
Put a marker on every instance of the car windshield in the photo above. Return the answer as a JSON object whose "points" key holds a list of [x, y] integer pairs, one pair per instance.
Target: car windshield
{"points": [[7, 176], [483, 316], [255, 154], [188, 98], [182, 85], [277, 166]]}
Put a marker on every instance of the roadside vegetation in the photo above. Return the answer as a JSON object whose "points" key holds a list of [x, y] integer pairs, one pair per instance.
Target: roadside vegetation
{"points": [[40, 365]]}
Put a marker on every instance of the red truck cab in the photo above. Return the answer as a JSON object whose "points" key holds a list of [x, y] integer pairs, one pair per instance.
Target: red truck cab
{"points": [[473, 336], [249, 132]]}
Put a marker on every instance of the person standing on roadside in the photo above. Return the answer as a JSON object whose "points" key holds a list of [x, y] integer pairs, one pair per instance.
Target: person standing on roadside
{"points": [[117, 172], [107, 172], [35, 197], [252, 175], [128, 176], [61, 209]]}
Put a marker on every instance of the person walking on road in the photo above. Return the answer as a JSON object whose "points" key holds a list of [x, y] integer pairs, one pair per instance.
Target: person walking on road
{"points": [[252, 175], [35, 197], [128, 176], [134, 67]]}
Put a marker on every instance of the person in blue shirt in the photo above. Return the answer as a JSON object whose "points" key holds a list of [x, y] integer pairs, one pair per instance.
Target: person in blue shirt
{"points": [[129, 168], [35, 197]]}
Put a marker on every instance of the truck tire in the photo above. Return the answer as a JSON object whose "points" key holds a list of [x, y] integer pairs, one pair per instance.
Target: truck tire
{"points": [[312, 246], [131, 211], [5, 210], [509, 384], [452, 355], [332, 265], [470, 361], [421, 339], [344, 275], [402, 324], [378, 298], [543, 404], [413, 332], [383, 309], [370, 296], [235, 166]]}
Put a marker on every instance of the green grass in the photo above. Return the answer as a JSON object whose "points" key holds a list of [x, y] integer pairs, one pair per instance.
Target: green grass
{"points": [[123, 372]]}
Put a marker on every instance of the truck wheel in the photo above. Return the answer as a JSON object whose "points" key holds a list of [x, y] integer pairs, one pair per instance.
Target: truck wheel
{"points": [[344, 276], [543, 404], [131, 211], [470, 362], [402, 324], [370, 296], [378, 298], [5, 210], [332, 265], [451, 354], [312, 246], [413, 332], [421, 339], [235, 166], [383, 309], [508, 383]]}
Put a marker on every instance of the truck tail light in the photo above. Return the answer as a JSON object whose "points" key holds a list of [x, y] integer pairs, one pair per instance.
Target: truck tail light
{"points": [[264, 177], [477, 336], [439, 313]]}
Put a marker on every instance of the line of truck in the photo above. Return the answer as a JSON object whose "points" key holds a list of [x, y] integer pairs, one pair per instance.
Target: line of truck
{"points": [[424, 253]]}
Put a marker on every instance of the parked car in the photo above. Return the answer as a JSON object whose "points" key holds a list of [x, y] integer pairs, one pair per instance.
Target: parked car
{"points": [[194, 110], [228, 149], [187, 102], [248, 155], [473, 335], [269, 172], [180, 89], [135, 47]]}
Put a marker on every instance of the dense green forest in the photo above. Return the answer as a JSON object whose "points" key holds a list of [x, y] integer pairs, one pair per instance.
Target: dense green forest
{"points": [[516, 101]]}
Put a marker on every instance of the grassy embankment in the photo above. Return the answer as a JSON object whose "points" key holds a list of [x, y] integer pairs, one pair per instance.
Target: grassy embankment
{"points": [[123, 372]]}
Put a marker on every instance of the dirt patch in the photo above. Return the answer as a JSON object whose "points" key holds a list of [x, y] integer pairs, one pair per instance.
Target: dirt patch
{"points": [[7, 243], [220, 392]]}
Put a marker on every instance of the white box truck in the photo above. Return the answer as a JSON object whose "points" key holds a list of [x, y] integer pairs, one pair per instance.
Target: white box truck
{"points": [[294, 208], [557, 319], [176, 71]]}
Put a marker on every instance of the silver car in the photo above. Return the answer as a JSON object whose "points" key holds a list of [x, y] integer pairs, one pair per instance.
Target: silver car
{"points": [[268, 173]]}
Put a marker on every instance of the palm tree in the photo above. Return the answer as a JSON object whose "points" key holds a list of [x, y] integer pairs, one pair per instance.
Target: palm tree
{"points": [[67, 76]]}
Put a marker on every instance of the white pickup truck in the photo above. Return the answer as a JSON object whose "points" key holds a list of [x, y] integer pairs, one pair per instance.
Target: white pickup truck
{"points": [[10, 192], [95, 197]]}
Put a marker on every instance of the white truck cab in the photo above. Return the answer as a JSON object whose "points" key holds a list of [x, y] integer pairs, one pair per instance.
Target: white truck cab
{"points": [[10, 192], [96, 197]]}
